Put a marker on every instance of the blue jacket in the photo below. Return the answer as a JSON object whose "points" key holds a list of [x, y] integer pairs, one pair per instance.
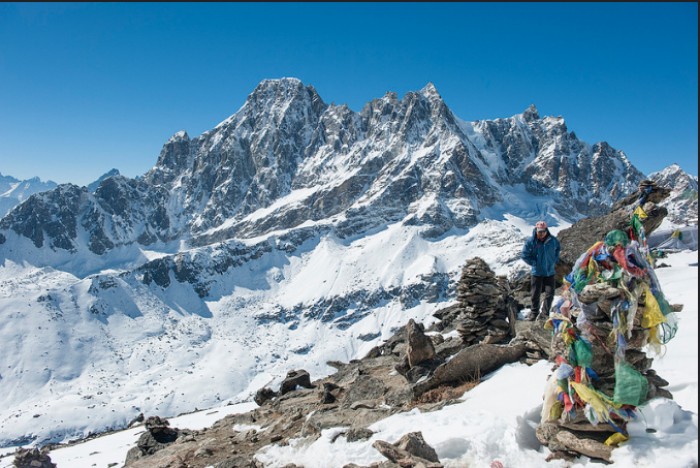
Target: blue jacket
{"points": [[542, 256]]}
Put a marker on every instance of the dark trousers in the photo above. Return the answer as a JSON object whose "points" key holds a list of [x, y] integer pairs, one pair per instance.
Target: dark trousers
{"points": [[538, 285]]}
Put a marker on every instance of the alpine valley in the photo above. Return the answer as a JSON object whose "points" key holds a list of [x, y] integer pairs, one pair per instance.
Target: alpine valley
{"points": [[292, 234]]}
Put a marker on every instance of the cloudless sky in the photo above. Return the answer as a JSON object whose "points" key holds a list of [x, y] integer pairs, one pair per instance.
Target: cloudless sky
{"points": [[89, 87]]}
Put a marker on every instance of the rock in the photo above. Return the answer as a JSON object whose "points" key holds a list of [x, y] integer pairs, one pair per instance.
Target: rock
{"points": [[589, 447], [355, 434], [403, 457], [136, 420], [420, 347], [470, 364], [263, 395], [32, 458], [364, 388], [414, 444], [156, 423], [327, 396], [584, 233], [203, 452], [294, 378], [158, 436]]}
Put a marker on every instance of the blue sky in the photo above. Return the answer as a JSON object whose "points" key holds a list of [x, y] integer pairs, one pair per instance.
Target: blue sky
{"points": [[88, 87]]}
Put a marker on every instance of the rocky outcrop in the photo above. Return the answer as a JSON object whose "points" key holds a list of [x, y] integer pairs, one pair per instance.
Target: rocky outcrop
{"points": [[158, 436], [410, 450], [358, 394], [584, 233], [294, 379], [470, 364], [420, 348]]}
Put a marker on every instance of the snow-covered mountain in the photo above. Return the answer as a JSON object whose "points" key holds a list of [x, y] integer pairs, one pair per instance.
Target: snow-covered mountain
{"points": [[286, 158], [291, 234], [93, 186], [14, 191], [682, 205]]}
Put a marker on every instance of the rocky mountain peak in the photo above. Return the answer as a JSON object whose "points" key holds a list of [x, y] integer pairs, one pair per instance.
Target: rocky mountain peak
{"points": [[673, 170], [276, 84], [173, 159], [276, 96], [531, 114], [178, 137], [430, 91], [94, 185], [683, 203]]}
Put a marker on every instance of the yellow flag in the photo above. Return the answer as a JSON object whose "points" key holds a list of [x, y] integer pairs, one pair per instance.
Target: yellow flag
{"points": [[616, 439], [652, 312], [593, 398], [640, 212]]}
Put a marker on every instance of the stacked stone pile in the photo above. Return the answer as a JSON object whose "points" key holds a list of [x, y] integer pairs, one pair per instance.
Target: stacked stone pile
{"points": [[612, 309], [600, 302], [482, 297], [33, 458]]}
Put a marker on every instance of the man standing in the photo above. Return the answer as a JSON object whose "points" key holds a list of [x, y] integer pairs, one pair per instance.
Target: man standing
{"points": [[541, 252]]}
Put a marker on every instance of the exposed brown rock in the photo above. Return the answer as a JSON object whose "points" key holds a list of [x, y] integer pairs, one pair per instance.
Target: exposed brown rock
{"points": [[420, 347], [470, 364], [410, 451]]}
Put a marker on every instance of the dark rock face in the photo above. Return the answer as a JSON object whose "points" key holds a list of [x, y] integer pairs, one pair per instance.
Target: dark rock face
{"points": [[51, 215], [119, 209], [198, 267]]}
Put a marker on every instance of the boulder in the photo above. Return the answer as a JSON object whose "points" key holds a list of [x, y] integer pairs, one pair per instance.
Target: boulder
{"points": [[295, 378], [420, 347], [470, 364]]}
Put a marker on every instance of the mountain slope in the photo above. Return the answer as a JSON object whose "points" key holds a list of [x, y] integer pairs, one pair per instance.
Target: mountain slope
{"points": [[294, 232], [682, 205], [14, 191]]}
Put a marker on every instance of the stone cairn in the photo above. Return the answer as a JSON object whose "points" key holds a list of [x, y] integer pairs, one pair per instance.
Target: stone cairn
{"points": [[482, 297], [33, 458], [612, 308]]}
